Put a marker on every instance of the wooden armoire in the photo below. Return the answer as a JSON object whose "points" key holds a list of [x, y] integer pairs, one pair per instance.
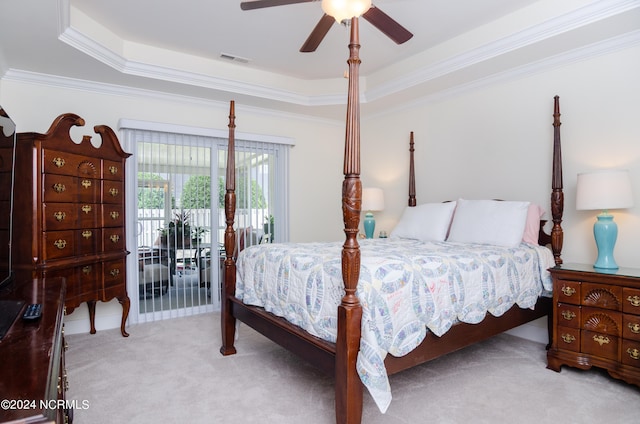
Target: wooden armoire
{"points": [[69, 218]]}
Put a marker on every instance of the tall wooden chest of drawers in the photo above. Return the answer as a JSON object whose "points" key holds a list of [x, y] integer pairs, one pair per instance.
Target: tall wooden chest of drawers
{"points": [[70, 216], [596, 320]]}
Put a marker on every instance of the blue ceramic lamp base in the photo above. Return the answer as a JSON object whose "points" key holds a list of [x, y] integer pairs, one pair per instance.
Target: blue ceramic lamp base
{"points": [[605, 232], [369, 225]]}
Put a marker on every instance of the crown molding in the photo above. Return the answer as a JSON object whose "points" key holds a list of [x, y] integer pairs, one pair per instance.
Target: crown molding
{"points": [[402, 80], [570, 21], [581, 54], [66, 83]]}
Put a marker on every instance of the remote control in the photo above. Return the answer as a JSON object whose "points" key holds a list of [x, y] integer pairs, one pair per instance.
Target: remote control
{"points": [[33, 311]]}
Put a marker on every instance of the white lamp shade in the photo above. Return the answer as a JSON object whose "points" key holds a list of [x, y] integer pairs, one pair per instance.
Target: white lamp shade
{"points": [[604, 190], [345, 9], [372, 199]]}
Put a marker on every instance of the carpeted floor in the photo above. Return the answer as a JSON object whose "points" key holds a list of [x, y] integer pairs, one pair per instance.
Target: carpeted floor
{"points": [[171, 372]]}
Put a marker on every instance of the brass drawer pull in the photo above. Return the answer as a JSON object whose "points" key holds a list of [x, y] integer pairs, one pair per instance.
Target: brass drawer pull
{"points": [[59, 216], [634, 327], [601, 340], [86, 208], [87, 234], [113, 192], [114, 214], [568, 338], [115, 238], [86, 183], [568, 291], [113, 170], [634, 353], [59, 162], [59, 188], [60, 244], [115, 272], [634, 300], [86, 269], [568, 315]]}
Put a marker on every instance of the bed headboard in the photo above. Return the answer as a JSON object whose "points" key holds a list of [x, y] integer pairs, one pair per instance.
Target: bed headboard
{"points": [[555, 239]]}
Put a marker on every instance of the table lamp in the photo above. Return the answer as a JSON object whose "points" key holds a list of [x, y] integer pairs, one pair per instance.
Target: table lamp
{"points": [[372, 200], [604, 190]]}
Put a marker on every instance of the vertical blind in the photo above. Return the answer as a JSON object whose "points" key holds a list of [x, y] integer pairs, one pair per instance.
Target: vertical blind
{"points": [[179, 214]]}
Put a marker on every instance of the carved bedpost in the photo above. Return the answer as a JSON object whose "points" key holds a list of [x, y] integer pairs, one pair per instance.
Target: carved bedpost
{"points": [[348, 385], [412, 173], [228, 322], [557, 195]]}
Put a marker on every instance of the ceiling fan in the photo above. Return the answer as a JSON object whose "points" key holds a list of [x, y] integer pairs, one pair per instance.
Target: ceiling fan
{"points": [[371, 13]]}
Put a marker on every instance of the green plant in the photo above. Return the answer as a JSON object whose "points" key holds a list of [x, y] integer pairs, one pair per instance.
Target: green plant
{"points": [[179, 226]]}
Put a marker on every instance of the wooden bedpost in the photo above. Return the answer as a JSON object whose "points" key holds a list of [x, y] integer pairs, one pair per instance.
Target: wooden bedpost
{"points": [[348, 386], [557, 195], [227, 320], [412, 173]]}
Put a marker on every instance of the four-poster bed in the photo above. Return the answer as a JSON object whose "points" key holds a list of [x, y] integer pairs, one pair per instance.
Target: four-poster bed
{"points": [[340, 356]]}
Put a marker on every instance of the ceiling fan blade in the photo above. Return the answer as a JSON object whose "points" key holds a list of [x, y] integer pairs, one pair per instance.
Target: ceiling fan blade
{"points": [[259, 4], [387, 25], [318, 34]]}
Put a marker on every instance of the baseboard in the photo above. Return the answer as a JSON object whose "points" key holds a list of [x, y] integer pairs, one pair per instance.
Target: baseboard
{"points": [[535, 331]]}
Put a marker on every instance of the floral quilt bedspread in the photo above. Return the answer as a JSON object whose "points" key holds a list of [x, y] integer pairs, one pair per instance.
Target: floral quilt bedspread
{"points": [[406, 288]]}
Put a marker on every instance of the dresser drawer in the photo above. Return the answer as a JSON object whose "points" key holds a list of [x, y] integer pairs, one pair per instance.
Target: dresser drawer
{"points": [[112, 170], [568, 291], [631, 353], [631, 327], [58, 244], [68, 216], [114, 273], [113, 192], [569, 315], [64, 163], [601, 321], [113, 239], [569, 338], [598, 344], [112, 215], [631, 300], [82, 282], [63, 188], [602, 296], [62, 244]]}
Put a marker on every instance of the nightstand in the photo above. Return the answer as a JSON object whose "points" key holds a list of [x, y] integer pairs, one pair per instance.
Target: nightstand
{"points": [[596, 320]]}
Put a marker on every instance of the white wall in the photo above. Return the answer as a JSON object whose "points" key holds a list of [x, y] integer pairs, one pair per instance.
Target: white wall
{"points": [[315, 184], [465, 146], [496, 142]]}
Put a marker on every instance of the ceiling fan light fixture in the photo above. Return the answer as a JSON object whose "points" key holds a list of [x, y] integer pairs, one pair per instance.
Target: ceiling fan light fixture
{"points": [[345, 9]]}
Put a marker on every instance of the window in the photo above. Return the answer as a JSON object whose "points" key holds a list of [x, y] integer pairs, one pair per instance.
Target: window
{"points": [[177, 175]]}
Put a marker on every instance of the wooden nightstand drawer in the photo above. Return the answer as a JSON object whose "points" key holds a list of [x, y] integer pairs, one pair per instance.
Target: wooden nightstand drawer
{"points": [[631, 353], [569, 338], [631, 301], [602, 296], [631, 327], [598, 344], [568, 291], [601, 321], [569, 315]]}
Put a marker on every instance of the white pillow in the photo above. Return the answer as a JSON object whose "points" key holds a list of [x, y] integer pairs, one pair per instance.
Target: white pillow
{"points": [[489, 222], [426, 222]]}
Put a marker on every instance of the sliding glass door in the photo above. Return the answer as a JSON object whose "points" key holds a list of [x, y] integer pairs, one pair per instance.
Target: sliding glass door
{"points": [[179, 215]]}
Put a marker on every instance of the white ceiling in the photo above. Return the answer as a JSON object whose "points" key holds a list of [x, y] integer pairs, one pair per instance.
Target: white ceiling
{"points": [[165, 46]]}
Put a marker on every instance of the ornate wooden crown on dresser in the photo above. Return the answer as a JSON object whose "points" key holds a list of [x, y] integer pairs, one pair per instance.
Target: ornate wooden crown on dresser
{"points": [[70, 219], [596, 320]]}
